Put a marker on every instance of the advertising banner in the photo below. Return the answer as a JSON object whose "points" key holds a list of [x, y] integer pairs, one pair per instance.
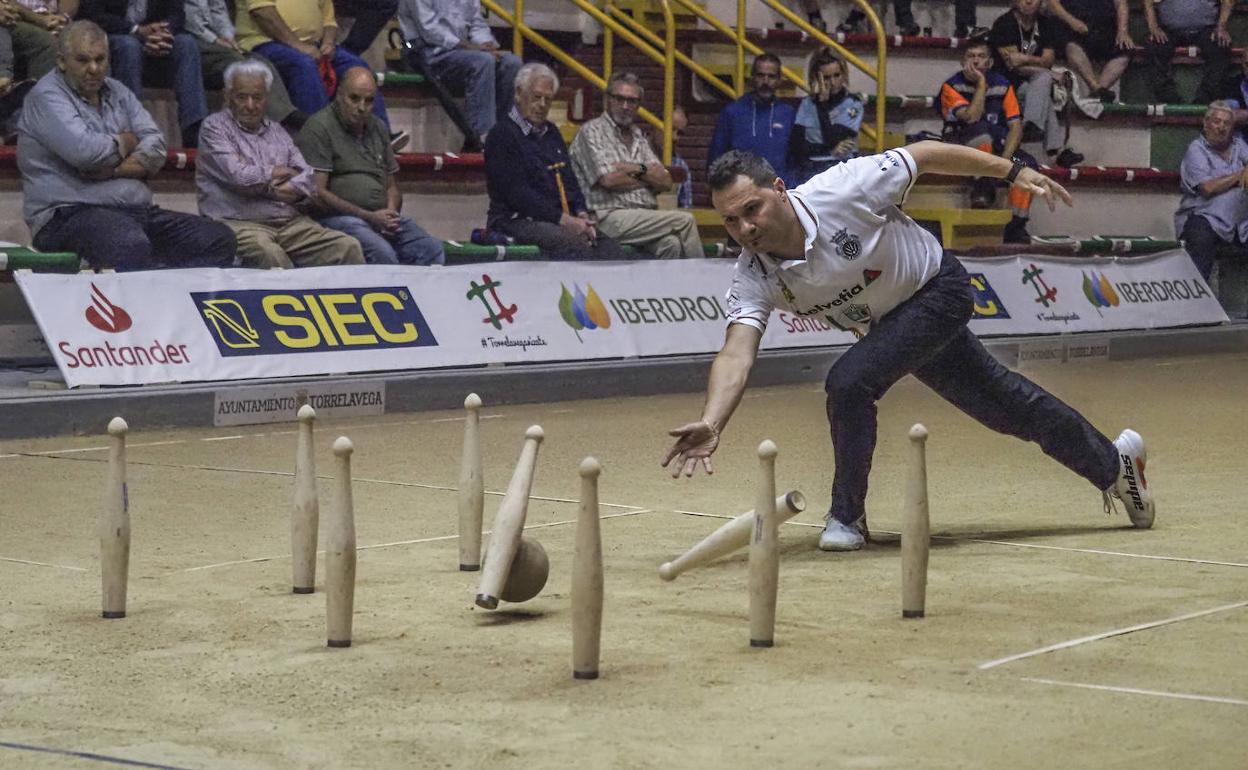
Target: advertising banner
{"points": [[208, 324]]}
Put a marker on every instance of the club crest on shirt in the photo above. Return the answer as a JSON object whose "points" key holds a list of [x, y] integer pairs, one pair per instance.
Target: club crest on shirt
{"points": [[847, 244], [858, 313]]}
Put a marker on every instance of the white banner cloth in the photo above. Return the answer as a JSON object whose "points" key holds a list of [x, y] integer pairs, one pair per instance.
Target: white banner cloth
{"points": [[208, 324]]}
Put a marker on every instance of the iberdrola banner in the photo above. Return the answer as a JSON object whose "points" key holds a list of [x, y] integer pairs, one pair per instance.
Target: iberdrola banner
{"points": [[207, 324]]}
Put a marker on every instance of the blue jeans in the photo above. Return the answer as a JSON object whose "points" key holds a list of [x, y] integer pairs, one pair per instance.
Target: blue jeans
{"points": [[127, 64], [410, 245], [489, 84], [927, 336], [302, 76], [137, 238]]}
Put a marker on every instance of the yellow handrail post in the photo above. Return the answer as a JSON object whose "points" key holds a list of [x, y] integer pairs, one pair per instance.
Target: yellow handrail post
{"points": [[669, 81], [681, 57], [740, 71], [608, 45], [517, 41]]}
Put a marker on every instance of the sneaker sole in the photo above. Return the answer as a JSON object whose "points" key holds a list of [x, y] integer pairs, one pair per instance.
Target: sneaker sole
{"points": [[839, 547], [1139, 519]]}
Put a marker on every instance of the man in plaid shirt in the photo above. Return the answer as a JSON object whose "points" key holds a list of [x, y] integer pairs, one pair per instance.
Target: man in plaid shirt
{"points": [[620, 175]]}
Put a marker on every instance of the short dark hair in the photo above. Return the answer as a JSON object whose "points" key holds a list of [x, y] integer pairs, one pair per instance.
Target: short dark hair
{"points": [[977, 42], [765, 57], [734, 163]]}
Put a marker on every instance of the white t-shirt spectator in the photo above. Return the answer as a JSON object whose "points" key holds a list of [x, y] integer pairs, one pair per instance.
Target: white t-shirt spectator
{"points": [[864, 257]]}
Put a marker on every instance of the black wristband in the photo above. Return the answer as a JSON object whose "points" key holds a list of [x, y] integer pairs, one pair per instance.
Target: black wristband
{"points": [[1014, 170]]}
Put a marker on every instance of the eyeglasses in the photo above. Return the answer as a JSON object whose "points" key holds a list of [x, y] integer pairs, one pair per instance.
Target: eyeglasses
{"points": [[627, 100]]}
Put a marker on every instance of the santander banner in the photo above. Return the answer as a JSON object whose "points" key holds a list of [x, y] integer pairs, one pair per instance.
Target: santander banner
{"points": [[207, 324]]}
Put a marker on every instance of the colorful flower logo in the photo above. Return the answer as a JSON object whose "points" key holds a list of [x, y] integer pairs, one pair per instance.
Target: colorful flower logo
{"points": [[1099, 291], [583, 309]]}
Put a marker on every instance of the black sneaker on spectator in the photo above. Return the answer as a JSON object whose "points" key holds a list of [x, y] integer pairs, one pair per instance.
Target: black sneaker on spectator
{"points": [[399, 140], [1016, 231], [909, 31], [852, 23], [973, 33], [1068, 158], [1105, 95]]}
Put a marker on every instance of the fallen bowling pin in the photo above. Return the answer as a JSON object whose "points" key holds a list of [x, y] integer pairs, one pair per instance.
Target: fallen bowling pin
{"points": [[730, 537], [113, 525], [340, 553], [509, 523]]}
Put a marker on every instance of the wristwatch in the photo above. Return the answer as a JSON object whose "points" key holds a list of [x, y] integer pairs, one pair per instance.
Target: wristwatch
{"points": [[640, 172], [1014, 171]]}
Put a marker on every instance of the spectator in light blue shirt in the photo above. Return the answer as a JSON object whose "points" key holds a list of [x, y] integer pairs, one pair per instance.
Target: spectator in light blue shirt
{"points": [[459, 49], [85, 148], [1212, 219], [825, 131]]}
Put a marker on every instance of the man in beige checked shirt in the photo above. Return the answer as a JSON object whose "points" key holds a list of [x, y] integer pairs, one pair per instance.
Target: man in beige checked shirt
{"points": [[620, 175]]}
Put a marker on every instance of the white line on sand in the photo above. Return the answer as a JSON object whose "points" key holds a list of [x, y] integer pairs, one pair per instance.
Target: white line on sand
{"points": [[1016, 545], [401, 542], [42, 564], [1135, 691], [223, 438], [1108, 634]]}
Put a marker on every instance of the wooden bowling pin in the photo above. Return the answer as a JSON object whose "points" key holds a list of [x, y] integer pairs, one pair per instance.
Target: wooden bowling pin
{"points": [[471, 488], [587, 577], [340, 552], [114, 525], [509, 523], [305, 515], [915, 529], [731, 536], [764, 575]]}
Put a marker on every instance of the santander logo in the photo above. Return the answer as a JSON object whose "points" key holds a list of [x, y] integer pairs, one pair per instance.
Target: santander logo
{"points": [[104, 315]]}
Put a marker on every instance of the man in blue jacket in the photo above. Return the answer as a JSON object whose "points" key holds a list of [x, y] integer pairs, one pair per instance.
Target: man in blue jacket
{"points": [[757, 122]]}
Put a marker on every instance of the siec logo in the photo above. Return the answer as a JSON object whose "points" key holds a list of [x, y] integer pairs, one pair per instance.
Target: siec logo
{"points": [[262, 322], [104, 315]]}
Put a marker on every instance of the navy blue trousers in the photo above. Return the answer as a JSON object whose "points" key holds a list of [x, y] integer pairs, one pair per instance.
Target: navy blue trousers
{"points": [[927, 336]]}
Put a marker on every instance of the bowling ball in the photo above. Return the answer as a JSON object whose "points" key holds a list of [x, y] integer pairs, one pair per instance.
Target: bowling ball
{"points": [[528, 574]]}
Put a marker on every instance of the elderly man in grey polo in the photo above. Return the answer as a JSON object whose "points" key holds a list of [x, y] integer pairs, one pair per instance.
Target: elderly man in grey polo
{"points": [[1212, 219], [85, 148], [620, 175], [251, 176]]}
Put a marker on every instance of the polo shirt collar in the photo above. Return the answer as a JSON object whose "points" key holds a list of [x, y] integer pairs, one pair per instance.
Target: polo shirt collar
{"points": [[808, 219], [526, 127]]}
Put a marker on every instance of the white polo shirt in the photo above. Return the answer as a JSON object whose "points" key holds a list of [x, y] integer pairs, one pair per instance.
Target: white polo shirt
{"points": [[864, 257]]}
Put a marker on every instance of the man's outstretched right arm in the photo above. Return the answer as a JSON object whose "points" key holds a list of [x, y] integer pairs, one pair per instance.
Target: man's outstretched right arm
{"points": [[697, 441]]}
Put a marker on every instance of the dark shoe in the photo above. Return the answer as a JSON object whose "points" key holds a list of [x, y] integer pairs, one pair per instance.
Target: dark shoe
{"points": [[1016, 231], [910, 30], [12, 99], [399, 140], [1105, 95], [852, 23], [983, 193], [1032, 132], [973, 33], [1068, 158]]}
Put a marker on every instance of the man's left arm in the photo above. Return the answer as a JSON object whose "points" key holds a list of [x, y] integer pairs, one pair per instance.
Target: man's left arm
{"points": [[151, 151], [656, 176], [394, 198], [479, 32], [956, 160]]}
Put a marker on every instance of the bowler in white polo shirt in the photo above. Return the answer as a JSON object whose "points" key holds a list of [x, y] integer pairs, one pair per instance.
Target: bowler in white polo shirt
{"points": [[839, 248]]}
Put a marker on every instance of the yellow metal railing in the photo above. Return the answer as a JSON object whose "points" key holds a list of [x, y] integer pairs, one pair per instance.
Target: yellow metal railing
{"points": [[616, 22], [876, 73], [664, 56]]}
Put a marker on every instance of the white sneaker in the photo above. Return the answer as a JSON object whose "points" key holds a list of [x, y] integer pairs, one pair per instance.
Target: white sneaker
{"points": [[1131, 487], [843, 537]]}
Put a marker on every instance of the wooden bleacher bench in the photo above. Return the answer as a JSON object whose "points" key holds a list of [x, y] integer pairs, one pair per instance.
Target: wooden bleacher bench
{"points": [[963, 228]]}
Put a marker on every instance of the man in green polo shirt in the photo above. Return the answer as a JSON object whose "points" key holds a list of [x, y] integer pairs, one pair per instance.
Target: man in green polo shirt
{"points": [[349, 151]]}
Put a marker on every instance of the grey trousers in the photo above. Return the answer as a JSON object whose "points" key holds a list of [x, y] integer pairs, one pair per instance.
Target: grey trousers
{"points": [[1037, 97]]}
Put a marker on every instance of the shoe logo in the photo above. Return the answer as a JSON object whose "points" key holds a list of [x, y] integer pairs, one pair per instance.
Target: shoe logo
{"points": [[104, 315], [1133, 487]]}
